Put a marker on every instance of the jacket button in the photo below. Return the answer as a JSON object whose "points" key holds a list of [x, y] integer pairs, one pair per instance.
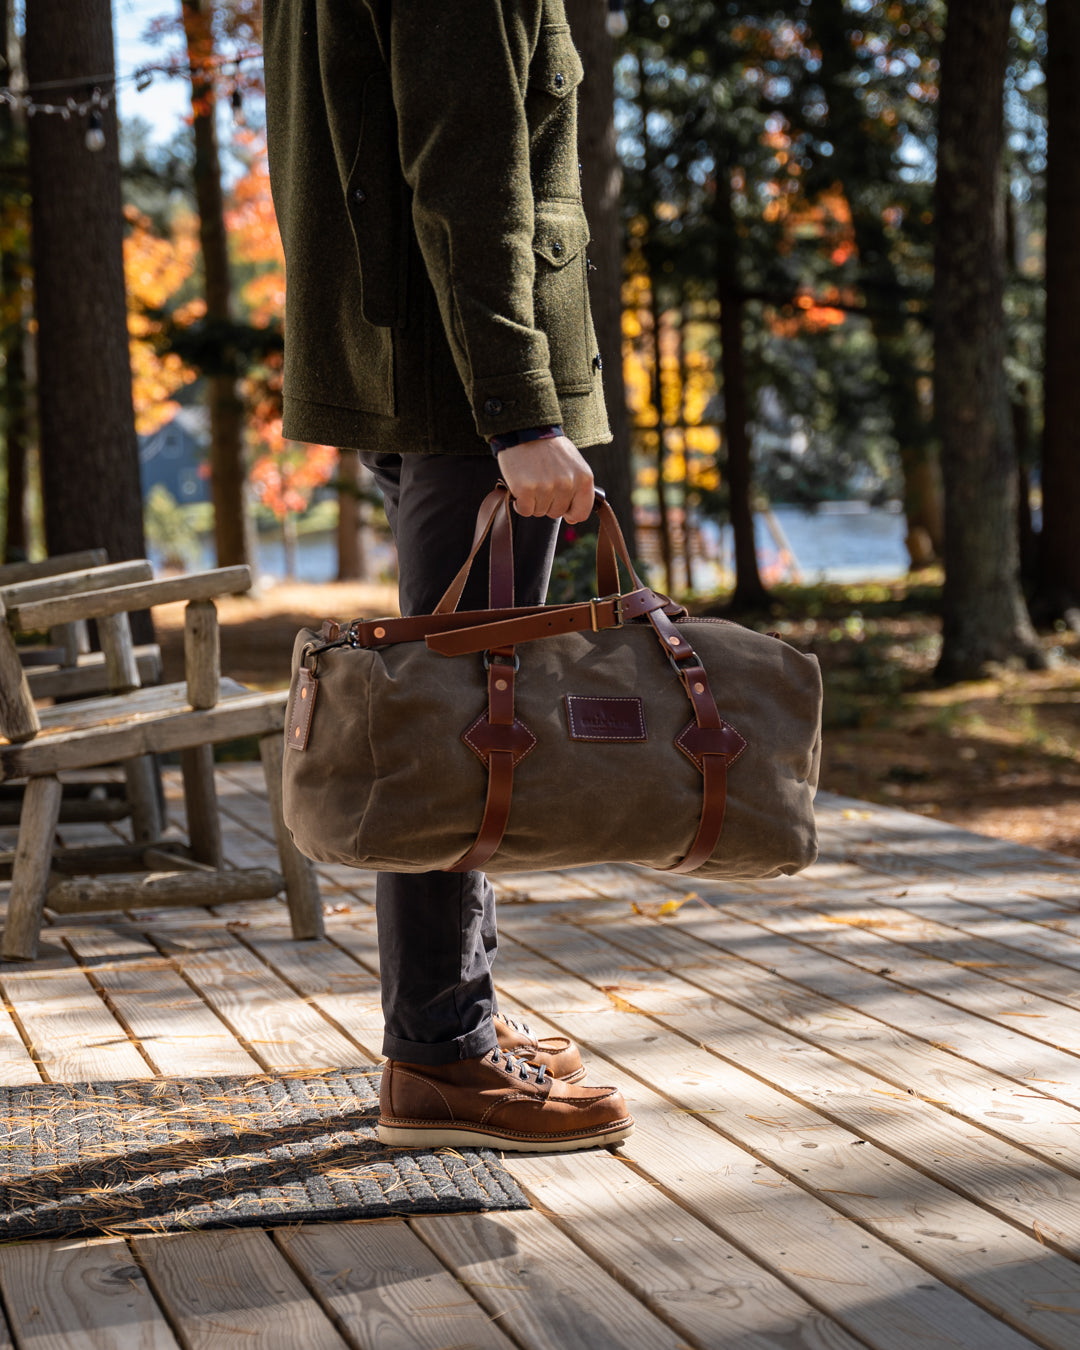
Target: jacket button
{"points": [[560, 80], [359, 195], [556, 248], [597, 362], [493, 407]]}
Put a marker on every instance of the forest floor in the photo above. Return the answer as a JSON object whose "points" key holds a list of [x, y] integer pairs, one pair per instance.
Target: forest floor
{"points": [[1000, 756]]}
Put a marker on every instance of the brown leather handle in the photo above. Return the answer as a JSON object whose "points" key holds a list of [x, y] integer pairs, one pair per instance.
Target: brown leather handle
{"points": [[494, 518]]}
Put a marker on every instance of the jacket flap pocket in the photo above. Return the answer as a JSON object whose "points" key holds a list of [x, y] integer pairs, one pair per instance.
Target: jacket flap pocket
{"points": [[556, 67], [561, 231]]}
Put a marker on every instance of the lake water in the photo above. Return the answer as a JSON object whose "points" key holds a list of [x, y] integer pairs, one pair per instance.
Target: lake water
{"points": [[843, 541]]}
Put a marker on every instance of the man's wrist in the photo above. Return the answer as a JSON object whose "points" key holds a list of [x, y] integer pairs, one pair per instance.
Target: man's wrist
{"points": [[506, 440]]}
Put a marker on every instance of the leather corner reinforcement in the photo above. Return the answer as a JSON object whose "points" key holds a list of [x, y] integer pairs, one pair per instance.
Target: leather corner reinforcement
{"points": [[303, 707]]}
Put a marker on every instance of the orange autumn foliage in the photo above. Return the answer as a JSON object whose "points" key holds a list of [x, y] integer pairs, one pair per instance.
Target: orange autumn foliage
{"points": [[155, 268]]}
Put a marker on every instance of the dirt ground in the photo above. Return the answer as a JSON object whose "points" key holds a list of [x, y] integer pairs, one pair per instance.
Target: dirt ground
{"points": [[1001, 756]]}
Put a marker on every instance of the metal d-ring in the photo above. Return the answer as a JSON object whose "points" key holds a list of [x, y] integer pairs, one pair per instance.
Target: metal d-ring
{"points": [[516, 667]]}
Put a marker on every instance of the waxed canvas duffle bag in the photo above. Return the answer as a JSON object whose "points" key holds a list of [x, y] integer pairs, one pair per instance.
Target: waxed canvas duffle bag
{"points": [[514, 739]]}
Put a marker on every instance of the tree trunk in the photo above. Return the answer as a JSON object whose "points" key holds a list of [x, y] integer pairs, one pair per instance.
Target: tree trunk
{"points": [[1060, 543], [227, 470], [352, 560], [859, 155], [601, 185], [89, 453], [985, 618], [14, 339], [750, 592]]}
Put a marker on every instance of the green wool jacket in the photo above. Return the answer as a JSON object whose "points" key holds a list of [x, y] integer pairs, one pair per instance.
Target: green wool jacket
{"points": [[423, 162]]}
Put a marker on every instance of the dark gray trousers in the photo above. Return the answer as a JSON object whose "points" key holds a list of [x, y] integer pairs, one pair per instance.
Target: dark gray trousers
{"points": [[437, 933]]}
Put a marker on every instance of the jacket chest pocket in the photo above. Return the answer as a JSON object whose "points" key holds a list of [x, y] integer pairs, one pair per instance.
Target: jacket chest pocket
{"points": [[560, 295]]}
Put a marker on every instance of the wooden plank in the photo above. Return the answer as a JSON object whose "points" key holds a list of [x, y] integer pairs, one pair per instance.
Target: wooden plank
{"points": [[16, 1063], [12, 574], [202, 653], [301, 882], [74, 1036], [785, 1229], [173, 727], [386, 1288], [517, 1265], [125, 599], [30, 868], [910, 1130], [89, 676], [749, 972], [179, 1034], [1006, 963], [69, 1295], [702, 1286], [777, 941], [328, 979], [1018, 930], [200, 804], [76, 582], [226, 1290], [1038, 1020], [281, 1028], [949, 1236], [114, 630], [19, 720], [91, 895], [135, 704]]}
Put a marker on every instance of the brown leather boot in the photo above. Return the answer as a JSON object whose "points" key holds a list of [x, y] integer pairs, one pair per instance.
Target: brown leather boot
{"points": [[558, 1053], [496, 1101]]}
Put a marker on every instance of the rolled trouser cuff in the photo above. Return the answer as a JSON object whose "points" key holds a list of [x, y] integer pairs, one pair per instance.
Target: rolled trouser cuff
{"points": [[472, 1045]]}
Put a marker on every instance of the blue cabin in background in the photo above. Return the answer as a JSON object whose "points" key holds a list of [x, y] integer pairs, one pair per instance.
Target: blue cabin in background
{"points": [[175, 456]]}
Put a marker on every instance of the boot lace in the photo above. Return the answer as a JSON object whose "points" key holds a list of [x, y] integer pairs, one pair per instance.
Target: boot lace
{"points": [[515, 1025], [511, 1064]]}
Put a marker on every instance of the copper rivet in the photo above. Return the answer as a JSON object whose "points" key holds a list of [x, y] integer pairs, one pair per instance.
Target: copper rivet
{"points": [[380, 632], [297, 732], [699, 688], [675, 641], [500, 685], [303, 693]]}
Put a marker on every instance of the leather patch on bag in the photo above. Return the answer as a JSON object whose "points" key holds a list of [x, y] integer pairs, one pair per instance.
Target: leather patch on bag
{"points": [[695, 741], [481, 738], [303, 705], [605, 719]]}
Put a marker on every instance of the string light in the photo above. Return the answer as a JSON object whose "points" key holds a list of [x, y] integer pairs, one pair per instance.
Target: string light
{"points": [[104, 90]]}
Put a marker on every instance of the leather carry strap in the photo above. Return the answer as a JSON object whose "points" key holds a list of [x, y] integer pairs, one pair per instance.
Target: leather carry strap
{"points": [[711, 742], [494, 508], [495, 516], [500, 750], [550, 621]]}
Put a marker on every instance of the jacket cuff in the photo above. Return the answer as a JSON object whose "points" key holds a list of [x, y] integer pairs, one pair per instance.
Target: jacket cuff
{"points": [[506, 403]]}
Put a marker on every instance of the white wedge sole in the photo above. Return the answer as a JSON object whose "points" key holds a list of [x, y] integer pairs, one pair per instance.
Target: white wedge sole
{"points": [[434, 1136]]}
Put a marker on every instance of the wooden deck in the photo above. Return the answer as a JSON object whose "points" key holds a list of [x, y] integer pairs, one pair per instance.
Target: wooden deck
{"points": [[857, 1096]]}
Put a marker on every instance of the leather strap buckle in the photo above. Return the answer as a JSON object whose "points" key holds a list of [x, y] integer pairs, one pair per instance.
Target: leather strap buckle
{"points": [[616, 598]]}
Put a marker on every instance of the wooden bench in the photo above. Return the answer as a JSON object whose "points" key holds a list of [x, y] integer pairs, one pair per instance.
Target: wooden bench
{"points": [[130, 727]]}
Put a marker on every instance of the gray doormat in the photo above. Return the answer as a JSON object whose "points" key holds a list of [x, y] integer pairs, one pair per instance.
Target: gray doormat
{"points": [[174, 1154]]}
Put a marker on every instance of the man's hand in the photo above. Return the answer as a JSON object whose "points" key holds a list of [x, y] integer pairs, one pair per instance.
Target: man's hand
{"points": [[549, 478]]}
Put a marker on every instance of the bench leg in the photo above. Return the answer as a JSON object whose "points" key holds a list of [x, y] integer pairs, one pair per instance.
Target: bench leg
{"points": [[201, 804], [143, 782], [301, 883], [30, 873]]}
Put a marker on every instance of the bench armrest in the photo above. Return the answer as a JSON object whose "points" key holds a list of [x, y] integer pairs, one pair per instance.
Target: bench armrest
{"points": [[124, 599], [76, 583], [13, 573]]}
